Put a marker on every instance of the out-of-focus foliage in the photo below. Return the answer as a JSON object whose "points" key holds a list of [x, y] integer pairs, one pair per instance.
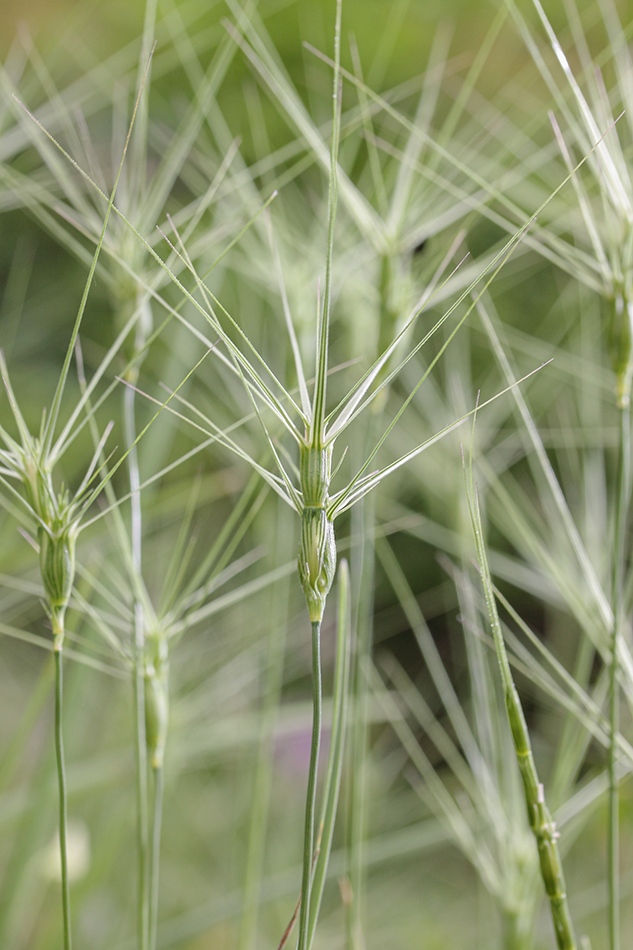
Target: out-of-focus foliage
{"points": [[447, 150]]}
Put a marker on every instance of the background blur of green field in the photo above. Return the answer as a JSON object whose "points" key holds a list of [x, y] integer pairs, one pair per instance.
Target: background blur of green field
{"points": [[447, 863]]}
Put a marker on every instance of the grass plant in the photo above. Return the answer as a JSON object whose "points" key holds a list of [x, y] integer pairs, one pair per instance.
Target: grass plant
{"points": [[539, 816], [57, 519], [451, 235], [607, 229]]}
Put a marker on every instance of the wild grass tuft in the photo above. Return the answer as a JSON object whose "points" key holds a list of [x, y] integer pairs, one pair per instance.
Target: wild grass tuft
{"points": [[311, 260]]}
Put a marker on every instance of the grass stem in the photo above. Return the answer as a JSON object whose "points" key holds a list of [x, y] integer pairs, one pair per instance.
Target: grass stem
{"points": [[309, 835], [141, 804], [539, 817], [332, 782], [157, 821], [140, 739], [263, 775], [364, 570], [619, 553], [63, 793]]}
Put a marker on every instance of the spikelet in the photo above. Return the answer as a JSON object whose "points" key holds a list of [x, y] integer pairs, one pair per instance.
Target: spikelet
{"points": [[57, 566], [156, 698], [621, 346], [317, 547], [317, 559], [619, 303]]}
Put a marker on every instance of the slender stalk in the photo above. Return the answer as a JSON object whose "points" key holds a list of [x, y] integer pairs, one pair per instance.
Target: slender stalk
{"points": [[363, 530], [619, 553], [134, 476], [539, 817], [262, 778], [363, 525], [58, 633], [159, 790], [142, 835], [514, 936], [337, 744], [140, 743], [309, 835]]}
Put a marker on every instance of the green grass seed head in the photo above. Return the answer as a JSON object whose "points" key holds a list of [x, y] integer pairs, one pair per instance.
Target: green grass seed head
{"points": [[620, 320], [315, 469], [620, 328], [317, 547], [37, 482], [57, 566], [131, 300], [156, 698], [57, 531], [317, 559]]}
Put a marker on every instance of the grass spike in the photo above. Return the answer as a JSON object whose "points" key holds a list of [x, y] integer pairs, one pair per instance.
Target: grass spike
{"points": [[539, 817]]}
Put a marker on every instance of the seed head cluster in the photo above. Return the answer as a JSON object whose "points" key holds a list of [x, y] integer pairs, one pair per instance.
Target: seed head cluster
{"points": [[317, 547]]}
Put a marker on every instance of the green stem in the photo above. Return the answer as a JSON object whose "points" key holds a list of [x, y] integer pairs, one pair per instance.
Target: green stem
{"points": [[142, 835], [263, 772], [619, 553], [332, 782], [140, 739], [63, 795], [514, 931], [363, 570], [159, 789], [309, 836], [539, 817]]}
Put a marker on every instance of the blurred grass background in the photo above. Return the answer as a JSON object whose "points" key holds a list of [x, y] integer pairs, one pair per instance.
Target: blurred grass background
{"points": [[240, 692]]}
